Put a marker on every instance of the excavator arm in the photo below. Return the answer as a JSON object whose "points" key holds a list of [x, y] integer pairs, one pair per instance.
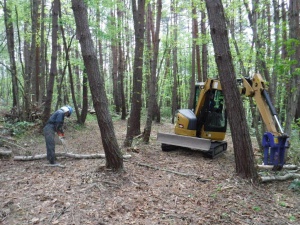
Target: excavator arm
{"points": [[274, 141]]}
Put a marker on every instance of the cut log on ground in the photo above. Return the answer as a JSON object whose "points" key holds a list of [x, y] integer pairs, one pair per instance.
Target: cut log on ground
{"points": [[280, 178], [63, 154]]}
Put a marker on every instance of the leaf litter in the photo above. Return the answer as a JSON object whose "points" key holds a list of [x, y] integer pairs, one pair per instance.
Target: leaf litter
{"points": [[178, 187]]}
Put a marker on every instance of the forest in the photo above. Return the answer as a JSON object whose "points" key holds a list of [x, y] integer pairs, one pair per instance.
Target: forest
{"points": [[126, 67]]}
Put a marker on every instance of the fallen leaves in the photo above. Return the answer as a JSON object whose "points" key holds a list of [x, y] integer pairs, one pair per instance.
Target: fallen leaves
{"points": [[179, 187]]}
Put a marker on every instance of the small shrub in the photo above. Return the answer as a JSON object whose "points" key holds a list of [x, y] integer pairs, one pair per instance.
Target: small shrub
{"points": [[18, 128]]}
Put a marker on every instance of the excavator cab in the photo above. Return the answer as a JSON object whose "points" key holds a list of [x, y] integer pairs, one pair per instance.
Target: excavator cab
{"points": [[203, 126], [208, 117], [212, 117]]}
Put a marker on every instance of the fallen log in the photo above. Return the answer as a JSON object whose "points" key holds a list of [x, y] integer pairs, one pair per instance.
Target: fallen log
{"points": [[4, 154], [280, 178], [64, 154], [55, 165], [270, 167]]}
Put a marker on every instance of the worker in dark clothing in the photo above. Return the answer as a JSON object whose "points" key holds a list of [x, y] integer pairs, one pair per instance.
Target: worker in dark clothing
{"points": [[55, 124]]}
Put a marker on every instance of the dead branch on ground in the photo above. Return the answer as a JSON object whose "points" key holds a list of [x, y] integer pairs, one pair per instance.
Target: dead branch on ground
{"points": [[64, 154], [269, 167], [280, 178], [170, 171]]}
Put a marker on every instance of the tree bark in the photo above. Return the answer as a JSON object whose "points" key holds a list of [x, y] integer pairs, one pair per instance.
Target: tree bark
{"points": [[244, 156], [114, 159], [134, 123]]}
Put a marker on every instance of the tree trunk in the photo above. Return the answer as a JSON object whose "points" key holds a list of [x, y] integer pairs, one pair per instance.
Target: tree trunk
{"points": [[84, 109], [194, 38], [53, 67], [26, 75], [244, 157], [198, 76], [260, 58], [34, 53], [293, 97], [67, 50], [42, 69], [276, 50], [153, 68], [134, 123], [121, 68], [11, 51], [204, 48], [114, 159], [253, 109], [79, 82], [175, 67], [114, 70], [284, 56]]}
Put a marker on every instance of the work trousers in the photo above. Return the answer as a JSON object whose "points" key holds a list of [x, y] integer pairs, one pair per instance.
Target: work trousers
{"points": [[49, 134]]}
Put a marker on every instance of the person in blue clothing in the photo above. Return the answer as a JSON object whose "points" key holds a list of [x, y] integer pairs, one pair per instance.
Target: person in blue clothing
{"points": [[55, 124]]}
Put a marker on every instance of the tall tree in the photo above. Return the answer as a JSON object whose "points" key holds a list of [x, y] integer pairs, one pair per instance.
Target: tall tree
{"points": [[53, 66], [11, 51], [175, 104], [121, 65], [114, 56], [194, 44], [42, 57], [259, 43], [153, 69], [294, 52], [244, 157], [68, 64], [114, 159], [34, 52], [134, 123], [84, 109], [204, 52]]}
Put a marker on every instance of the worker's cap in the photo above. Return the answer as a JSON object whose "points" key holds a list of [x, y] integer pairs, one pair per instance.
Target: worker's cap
{"points": [[68, 109]]}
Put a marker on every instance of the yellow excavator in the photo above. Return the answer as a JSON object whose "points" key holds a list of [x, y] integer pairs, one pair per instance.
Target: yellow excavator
{"points": [[204, 127]]}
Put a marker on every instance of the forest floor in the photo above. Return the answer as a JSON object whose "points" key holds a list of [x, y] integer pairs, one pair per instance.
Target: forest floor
{"points": [[199, 191]]}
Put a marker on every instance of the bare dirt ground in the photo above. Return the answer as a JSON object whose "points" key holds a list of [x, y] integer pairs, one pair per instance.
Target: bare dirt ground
{"points": [[84, 192]]}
